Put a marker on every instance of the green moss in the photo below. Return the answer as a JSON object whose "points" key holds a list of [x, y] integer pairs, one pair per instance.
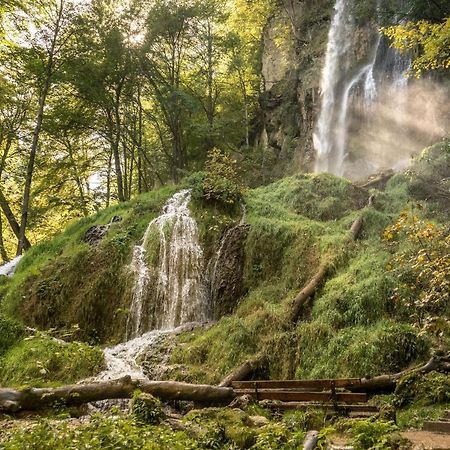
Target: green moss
{"points": [[99, 433], [385, 347], [64, 282], [42, 360]]}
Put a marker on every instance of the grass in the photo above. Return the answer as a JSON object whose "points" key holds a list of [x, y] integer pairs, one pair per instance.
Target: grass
{"points": [[41, 360]]}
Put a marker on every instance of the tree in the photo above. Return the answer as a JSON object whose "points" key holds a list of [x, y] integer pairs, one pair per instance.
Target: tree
{"points": [[422, 265], [429, 42], [52, 21]]}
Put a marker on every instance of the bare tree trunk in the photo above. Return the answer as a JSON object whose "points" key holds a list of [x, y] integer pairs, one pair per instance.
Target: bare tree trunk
{"points": [[3, 252], [29, 399], [15, 227], [108, 180], [37, 130], [310, 288]]}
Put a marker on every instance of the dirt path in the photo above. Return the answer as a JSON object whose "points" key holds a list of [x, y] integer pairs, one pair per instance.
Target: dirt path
{"points": [[428, 440]]}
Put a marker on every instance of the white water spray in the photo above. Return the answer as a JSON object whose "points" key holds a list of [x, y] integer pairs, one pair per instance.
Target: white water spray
{"points": [[180, 292], [9, 268], [346, 78]]}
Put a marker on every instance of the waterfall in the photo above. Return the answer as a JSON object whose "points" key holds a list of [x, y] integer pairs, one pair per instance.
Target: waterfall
{"points": [[180, 295], [347, 77], [168, 298], [336, 60]]}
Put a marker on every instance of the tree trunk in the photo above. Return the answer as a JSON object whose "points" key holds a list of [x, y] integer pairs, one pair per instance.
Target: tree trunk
{"points": [[37, 130], [244, 370], [3, 252], [15, 227], [29, 399], [388, 383], [311, 287]]}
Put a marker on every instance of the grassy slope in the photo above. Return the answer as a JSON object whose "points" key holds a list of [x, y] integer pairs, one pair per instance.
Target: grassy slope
{"points": [[295, 223]]}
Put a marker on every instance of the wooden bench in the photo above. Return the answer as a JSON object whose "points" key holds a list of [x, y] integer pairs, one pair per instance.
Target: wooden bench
{"points": [[301, 394]]}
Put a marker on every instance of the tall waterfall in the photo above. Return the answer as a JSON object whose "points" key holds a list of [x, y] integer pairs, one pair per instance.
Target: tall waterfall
{"points": [[330, 131], [352, 75], [179, 290]]}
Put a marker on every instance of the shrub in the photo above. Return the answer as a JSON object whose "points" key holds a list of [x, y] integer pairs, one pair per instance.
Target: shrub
{"points": [[10, 332], [147, 409], [221, 181]]}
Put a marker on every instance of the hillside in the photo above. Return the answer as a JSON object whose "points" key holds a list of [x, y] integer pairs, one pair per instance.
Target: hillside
{"points": [[352, 327]]}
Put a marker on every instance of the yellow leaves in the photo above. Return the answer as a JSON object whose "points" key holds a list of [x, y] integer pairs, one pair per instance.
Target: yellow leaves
{"points": [[431, 42]]}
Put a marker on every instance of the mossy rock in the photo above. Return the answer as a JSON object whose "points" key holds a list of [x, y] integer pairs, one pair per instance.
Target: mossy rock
{"points": [[147, 409]]}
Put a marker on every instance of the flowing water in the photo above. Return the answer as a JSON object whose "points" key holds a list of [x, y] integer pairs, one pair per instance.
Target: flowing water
{"points": [[344, 80], [177, 284], [9, 268], [164, 297]]}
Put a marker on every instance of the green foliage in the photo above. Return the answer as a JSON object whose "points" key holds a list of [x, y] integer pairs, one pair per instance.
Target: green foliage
{"points": [[147, 409], [99, 433], [277, 436], [41, 360], [422, 267], [373, 435], [430, 41], [220, 182], [10, 332], [430, 389], [385, 347]]}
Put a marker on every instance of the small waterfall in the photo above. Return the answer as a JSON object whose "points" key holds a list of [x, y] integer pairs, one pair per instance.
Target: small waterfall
{"points": [[9, 268], [180, 295], [167, 299]]}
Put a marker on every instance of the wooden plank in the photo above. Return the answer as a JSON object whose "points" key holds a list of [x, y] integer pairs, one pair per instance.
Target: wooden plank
{"points": [[437, 427], [297, 384], [329, 407], [292, 395]]}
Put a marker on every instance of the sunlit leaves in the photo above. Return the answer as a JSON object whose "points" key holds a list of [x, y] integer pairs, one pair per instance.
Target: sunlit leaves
{"points": [[422, 265], [430, 42]]}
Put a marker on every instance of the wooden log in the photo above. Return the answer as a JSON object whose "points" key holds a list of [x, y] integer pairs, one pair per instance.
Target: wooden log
{"points": [[29, 399], [304, 406], [310, 288], [244, 370]]}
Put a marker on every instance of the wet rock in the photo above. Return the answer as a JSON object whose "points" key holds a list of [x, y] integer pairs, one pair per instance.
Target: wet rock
{"points": [[258, 421], [97, 232], [226, 271]]}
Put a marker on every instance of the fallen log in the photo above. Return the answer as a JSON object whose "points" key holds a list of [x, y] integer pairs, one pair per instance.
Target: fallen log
{"points": [[244, 370], [388, 383], [310, 288], [30, 399]]}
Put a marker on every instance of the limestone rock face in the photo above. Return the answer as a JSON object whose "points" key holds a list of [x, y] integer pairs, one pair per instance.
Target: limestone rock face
{"points": [[294, 44]]}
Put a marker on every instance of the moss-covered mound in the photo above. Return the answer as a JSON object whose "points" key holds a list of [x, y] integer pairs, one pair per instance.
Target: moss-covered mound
{"points": [[352, 327]]}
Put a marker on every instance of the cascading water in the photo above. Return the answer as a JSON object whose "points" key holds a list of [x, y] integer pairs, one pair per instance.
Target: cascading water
{"points": [[348, 77], [9, 268], [164, 297], [180, 293], [329, 156]]}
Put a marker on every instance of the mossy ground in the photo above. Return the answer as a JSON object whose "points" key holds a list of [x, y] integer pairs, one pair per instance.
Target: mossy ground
{"points": [[349, 329]]}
